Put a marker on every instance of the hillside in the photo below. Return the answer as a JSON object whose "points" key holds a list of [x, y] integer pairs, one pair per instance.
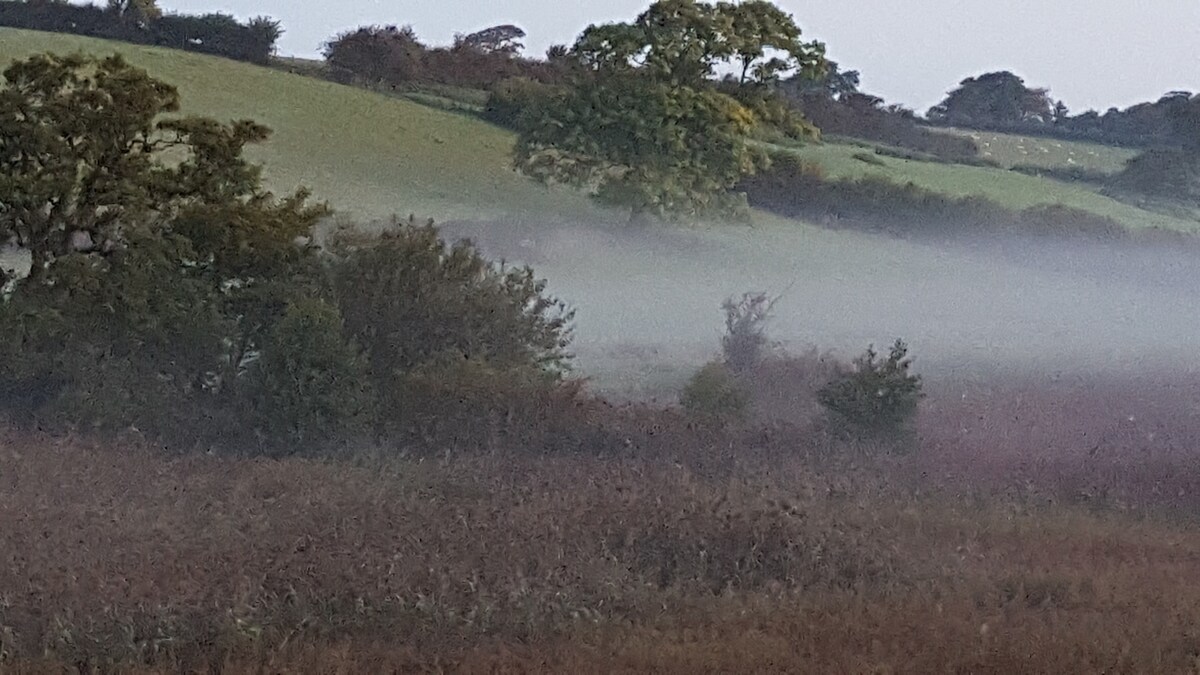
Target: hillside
{"points": [[377, 155], [649, 300], [365, 152], [1008, 188]]}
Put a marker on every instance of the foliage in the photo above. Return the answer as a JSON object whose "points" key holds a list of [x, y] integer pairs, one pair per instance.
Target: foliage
{"points": [[142, 22], [504, 39], [634, 142], [513, 102], [993, 100], [878, 399], [1167, 174], [395, 57], [745, 340], [795, 188], [420, 309], [159, 263], [376, 55], [715, 391], [311, 387], [644, 125], [106, 343]]}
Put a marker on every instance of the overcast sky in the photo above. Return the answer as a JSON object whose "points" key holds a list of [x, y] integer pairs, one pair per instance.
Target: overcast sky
{"points": [[1090, 53]]}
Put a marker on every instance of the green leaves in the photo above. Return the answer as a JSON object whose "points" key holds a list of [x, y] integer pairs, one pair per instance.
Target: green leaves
{"points": [[662, 150], [645, 126]]}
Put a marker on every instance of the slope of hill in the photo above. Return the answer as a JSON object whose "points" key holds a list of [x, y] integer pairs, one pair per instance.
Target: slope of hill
{"points": [[1008, 188], [1011, 150], [649, 301], [365, 152]]}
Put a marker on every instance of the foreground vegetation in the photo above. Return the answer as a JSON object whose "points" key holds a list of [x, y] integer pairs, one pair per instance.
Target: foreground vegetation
{"points": [[677, 555]]}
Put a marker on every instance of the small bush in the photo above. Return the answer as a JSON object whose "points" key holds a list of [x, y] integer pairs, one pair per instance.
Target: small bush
{"points": [[877, 399], [745, 339], [714, 391]]}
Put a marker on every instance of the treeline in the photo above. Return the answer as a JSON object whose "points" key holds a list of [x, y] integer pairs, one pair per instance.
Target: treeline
{"points": [[216, 34], [394, 57], [1001, 101], [834, 103]]}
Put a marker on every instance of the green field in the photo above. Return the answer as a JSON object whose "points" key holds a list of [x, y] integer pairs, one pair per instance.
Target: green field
{"points": [[1009, 188], [367, 153], [1010, 150]]}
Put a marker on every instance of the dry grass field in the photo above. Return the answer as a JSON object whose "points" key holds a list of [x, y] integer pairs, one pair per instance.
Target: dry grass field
{"points": [[1016, 541]]}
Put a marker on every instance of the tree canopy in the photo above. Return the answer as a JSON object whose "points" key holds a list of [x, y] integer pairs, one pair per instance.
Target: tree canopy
{"points": [[994, 100], [644, 122]]}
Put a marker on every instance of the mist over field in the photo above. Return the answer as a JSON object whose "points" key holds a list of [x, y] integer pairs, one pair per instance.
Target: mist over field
{"points": [[649, 301]]}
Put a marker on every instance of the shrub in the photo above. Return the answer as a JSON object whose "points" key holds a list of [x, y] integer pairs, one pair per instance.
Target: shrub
{"points": [[745, 338], [431, 317], [310, 387], [714, 391], [877, 399]]}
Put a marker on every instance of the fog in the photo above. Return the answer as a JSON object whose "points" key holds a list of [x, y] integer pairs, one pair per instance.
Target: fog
{"points": [[648, 299]]}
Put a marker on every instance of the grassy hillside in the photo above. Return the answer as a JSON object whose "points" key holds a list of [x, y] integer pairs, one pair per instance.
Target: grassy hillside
{"points": [[1009, 188], [377, 155], [366, 152], [1010, 150]]}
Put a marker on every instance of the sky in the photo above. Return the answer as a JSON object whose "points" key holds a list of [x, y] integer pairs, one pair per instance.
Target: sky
{"points": [[1089, 53]]}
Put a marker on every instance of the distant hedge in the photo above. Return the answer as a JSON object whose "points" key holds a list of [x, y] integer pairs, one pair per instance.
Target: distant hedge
{"points": [[217, 34]]}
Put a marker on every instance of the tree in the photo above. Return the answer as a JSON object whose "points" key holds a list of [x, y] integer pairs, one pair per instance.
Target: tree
{"points": [[64, 186], [660, 150], [377, 54], [834, 83], [505, 40], [139, 11], [158, 261], [766, 43], [644, 124], [994, 100]]}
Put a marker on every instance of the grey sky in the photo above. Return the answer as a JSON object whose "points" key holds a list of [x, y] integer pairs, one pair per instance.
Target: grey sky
{"points": [[1091, 53]]}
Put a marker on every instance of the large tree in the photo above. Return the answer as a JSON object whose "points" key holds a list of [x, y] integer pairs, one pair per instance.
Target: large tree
{"points": [[994, 100], [158, 261], [643, 123]]}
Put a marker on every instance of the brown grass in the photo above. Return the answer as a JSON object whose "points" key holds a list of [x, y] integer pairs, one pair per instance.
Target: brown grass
{"points": [[732, 554]]}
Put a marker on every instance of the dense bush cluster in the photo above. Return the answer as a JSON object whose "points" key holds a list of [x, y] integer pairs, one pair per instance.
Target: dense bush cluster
{"points": [[181, 300], [218, 34]]}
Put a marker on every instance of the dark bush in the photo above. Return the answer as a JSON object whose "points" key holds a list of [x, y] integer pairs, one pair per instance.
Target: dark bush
{"points": [[715, 392], [864, 117], [108, 344], [745, 341], [512, 98], [432, 317], [375, 55], [876, 400], [1166, 174], [310, 387]]}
